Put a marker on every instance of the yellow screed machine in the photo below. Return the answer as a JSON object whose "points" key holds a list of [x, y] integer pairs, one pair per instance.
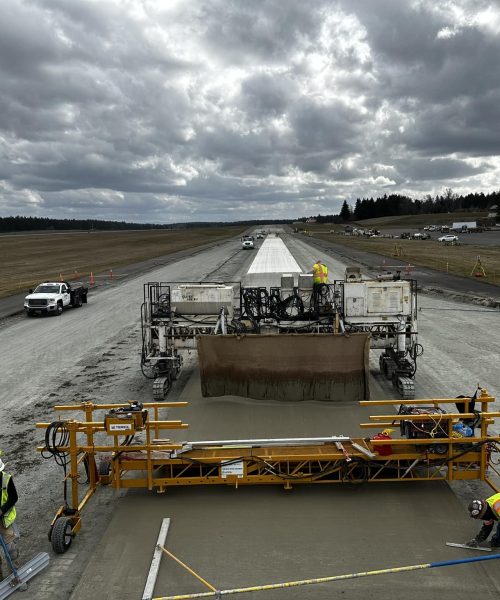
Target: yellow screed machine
{"points": [[432, 449]]}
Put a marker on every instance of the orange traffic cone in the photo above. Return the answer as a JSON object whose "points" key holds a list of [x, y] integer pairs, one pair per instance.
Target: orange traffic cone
{"points": [[61, 277], [92, 278]]}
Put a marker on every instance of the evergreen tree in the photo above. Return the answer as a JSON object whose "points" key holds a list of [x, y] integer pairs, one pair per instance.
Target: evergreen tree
{"points": [[345, 212]]}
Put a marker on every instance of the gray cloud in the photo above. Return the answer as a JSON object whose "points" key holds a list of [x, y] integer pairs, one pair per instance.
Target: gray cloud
{"points": [[154, 111]]}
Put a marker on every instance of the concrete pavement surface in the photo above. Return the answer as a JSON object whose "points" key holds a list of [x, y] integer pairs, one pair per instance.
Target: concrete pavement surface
{"points": [[258, 535], [245, 536]]}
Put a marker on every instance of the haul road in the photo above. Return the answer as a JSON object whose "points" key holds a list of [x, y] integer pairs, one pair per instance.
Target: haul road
{"points": [[96, 358]]}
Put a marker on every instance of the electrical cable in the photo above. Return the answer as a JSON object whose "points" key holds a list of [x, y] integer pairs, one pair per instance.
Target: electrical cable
{"points": [[56, 436]]}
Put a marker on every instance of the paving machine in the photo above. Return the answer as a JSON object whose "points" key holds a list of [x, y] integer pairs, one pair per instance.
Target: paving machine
{"points": [[122, 445], [387, 310], [293, 341]]}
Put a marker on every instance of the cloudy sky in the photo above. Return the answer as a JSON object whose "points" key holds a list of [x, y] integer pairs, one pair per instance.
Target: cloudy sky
{"points": [[163, 110]]}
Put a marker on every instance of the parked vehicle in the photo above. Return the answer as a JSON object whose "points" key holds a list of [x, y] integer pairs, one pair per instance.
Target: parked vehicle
{"points": [[421, 236], [448, 239], [52, 297], [247, 242]]}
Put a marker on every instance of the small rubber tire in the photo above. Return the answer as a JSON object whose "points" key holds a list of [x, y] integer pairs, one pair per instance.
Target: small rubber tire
{"points": [[62, 535], [59, 310], [439, 448], [30, 313], [104, 467]]}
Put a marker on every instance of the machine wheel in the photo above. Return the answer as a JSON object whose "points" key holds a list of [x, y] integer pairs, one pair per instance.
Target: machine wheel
{"points": [[61, 536], [161, 387], [387, 366], [104, 466], [177, 368], [59, 310], [405, 386], [439, 448], [104, 471]]}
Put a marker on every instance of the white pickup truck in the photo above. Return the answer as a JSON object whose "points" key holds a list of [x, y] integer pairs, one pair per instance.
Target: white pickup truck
{"points": [[53, 297], [247, 242]]}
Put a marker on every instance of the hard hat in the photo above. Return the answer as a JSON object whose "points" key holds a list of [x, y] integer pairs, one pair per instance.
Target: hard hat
{"points": [[477, 508], [2, 465]]}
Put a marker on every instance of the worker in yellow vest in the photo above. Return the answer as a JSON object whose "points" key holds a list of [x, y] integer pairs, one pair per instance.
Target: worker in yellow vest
{"points": [[489, 511], [8, 527], [320, 272]]}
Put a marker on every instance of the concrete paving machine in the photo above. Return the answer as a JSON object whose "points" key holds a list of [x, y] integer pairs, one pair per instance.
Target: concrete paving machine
{"points": [[122, 445], [294, 341], [387, 310]]}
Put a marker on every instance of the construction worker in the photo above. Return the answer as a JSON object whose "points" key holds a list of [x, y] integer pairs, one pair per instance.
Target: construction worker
{"points": [[8, 527], [320, 272], [489, 511]]}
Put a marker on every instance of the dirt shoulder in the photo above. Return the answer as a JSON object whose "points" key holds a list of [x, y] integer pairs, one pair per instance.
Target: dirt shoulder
{"points": [[31, 258], [475, 290], [13, 304]]}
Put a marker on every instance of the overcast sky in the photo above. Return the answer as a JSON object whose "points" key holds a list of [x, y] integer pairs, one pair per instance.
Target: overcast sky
{"points": [[168, 111]]}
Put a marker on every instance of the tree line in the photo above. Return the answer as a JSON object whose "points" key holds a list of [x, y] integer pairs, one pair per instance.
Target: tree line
{"points": [[396, 204], [13, 224], [364, 208]]}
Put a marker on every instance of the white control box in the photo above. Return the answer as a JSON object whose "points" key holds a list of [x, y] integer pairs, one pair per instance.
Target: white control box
{"points": [[203, 299], [377, 298]]}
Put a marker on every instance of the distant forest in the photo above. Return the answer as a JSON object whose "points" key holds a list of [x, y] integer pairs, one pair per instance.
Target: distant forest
{"points": [[395, 204], [366, 208], [12, 224]]}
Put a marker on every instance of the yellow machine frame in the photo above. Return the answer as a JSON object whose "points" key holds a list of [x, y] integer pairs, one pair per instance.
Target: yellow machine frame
{"points": [[159, 463]]}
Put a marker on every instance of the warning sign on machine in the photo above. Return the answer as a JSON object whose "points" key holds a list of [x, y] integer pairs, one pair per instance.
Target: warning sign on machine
{"points": [[232, 468]]}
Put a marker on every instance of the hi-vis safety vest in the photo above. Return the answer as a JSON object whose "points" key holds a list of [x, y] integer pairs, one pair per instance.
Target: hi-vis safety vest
{"points": [[494, 502], [320, 273], [10, 516]]}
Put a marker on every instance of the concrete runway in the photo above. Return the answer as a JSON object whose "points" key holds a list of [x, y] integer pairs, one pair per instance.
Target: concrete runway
{"points": [[252, 536], [246, 536]]}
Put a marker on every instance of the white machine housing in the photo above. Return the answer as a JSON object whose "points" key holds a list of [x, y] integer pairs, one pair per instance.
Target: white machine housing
{"points": [[373, 301], [202, 299]]}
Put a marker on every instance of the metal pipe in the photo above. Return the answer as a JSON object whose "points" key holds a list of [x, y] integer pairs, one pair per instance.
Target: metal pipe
{"points": [[162, 339], [401, 337], [272, 442], [276, 586]]}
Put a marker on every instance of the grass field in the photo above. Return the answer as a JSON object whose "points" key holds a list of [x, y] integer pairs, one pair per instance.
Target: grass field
{"points": [[459, 260], [416, 221], [29, 259], [401, 221]]}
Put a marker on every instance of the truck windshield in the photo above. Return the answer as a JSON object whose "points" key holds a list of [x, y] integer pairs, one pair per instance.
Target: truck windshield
{"points": [[47, 289]]}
